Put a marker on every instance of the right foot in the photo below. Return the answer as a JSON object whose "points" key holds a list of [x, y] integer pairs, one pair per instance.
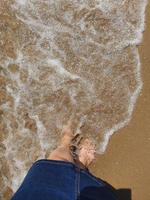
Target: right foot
{"points": [[87, 152]]}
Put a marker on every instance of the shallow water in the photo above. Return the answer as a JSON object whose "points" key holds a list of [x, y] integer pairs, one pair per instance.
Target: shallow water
{"points": [[62, 60]]}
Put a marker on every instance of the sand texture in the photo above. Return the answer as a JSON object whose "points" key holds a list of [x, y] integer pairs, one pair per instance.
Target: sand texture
{"points": [[79, 60], [126, 162]]}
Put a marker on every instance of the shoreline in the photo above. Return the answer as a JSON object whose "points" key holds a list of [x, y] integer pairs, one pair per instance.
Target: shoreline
{"points": [[124, 164]]}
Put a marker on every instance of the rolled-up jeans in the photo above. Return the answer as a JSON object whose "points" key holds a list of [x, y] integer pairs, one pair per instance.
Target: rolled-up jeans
{"points": [[61, 180]]}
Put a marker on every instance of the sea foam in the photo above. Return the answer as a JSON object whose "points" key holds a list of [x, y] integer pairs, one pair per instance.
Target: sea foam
{"points": [[67, 60]]}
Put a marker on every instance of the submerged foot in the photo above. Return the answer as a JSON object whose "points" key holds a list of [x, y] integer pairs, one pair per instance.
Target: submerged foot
{"points": [[74, 148], [87, 152], [83, 150], [66, 135], [62, 151]]}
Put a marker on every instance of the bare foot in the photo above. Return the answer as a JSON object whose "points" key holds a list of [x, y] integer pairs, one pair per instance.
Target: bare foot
{"points": [[62, 152], [85, 149], [87, 152], [66, 135]]}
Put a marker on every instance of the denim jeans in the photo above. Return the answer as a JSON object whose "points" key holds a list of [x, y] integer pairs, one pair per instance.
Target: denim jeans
{"points": [[61, 180]]}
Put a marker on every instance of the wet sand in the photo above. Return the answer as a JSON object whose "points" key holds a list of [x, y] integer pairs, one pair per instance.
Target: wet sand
{"points": [[126, 162]]}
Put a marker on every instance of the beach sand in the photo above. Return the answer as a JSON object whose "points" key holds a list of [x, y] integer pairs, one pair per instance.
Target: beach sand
{"points": [[28, 124], [126, 162]]}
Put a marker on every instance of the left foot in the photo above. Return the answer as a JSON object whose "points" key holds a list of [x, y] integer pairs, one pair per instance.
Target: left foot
{"points": [[62, 151], [67, 135]]}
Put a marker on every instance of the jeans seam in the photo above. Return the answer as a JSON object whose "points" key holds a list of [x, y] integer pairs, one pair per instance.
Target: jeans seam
{"points": [[79, 185], [76, 183]]}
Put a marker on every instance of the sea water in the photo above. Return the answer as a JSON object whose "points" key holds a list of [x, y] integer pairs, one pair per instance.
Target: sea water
{"points": [[62, 60]]}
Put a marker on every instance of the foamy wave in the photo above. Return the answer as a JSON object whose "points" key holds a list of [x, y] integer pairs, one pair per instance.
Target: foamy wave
{"points": [[117, 14], [67, 60]]}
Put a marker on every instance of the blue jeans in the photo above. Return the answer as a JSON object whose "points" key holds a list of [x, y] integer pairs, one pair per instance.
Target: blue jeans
{"points": [[61, 180]]}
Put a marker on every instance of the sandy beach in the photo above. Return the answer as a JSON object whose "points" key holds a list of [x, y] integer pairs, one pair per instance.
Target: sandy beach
{"points": [[62, 60], [126, 162]]}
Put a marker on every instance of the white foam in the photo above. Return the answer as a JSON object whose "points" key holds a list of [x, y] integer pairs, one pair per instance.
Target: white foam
{"points": [[126, 35], [22, 2], [17, 179], [60, 69], [42, 134], [122, 124], [106, 7], [116, 127]]}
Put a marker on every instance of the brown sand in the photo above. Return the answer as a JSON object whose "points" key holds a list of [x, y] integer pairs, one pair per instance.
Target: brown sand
{"points": [[126, 162], [123, 160]]}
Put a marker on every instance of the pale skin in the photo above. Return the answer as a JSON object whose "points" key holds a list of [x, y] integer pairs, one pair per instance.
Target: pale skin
{"points": [[86, 152]]}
